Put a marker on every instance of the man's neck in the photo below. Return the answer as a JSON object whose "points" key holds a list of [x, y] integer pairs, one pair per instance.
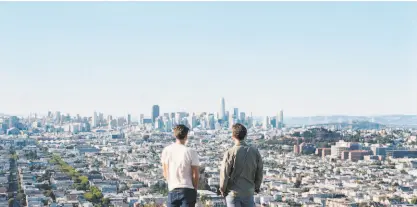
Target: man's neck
{"points": [[238, 142], [180, 142]]}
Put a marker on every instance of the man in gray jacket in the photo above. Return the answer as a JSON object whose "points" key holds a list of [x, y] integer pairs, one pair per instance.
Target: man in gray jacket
{"points": [[241, 172]]}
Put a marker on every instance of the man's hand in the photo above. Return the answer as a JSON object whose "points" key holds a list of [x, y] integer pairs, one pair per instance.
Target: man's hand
{"points": [[221, 192]]}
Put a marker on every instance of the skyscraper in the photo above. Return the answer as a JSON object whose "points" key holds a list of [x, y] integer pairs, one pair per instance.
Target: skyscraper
{"points": [[236, 113], [266, 122], [167, 124], [57, 117], [274, 123], [280, 119], [210, 121], [13, 121], [100, 119], [121, 121], [159, 123], [178, 118], [192, 120], [155, 112], [231, 122], [277, 123], [223, 110], [129, 119], [94, 121], [141, 117], [242, 117], [109, 120], [250, 122], [62, 119]]}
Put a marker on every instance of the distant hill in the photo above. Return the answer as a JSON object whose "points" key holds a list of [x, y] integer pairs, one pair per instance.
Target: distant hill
{"points": [[388, 120], [357, 125]]}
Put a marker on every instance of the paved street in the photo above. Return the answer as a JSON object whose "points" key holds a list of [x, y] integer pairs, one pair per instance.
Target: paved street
{"points": [[13, 185]]}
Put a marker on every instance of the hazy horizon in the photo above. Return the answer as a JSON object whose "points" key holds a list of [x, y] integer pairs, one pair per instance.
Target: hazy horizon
{"points": [[307, 58], [136, 116]]}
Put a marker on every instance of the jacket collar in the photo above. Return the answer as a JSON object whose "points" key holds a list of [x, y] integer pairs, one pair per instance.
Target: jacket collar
{"points": [[240, 143]]}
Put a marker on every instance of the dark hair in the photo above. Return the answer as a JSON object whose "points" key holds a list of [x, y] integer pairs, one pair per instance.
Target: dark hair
{"points": [[239, 131], [181, 131]]}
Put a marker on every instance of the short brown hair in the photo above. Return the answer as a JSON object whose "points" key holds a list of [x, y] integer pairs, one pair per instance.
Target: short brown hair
{"points": [[239, 131], [181, 131]]}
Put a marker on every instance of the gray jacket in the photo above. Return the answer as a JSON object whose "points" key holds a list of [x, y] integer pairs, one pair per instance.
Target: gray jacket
{"points": [[238, 176]]}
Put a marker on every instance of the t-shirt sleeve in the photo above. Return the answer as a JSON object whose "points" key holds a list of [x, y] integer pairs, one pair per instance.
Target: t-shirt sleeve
{"points": [[164, 157], [195, 161]]}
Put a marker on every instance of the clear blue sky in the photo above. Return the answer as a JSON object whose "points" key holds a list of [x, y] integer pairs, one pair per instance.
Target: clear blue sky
{"points": [[306, 58]]}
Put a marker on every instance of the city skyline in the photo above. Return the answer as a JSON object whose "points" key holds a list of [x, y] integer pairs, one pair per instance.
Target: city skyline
{"points": [[155, 112], [309, 59], [148, 115]]}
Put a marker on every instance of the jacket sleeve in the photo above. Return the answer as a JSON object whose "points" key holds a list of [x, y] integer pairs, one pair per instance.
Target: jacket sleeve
{"points": [[259, 172], [225, 171]]}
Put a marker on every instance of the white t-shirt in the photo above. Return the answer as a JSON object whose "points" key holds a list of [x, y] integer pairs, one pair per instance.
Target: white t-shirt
{"points": [[179, 159]]}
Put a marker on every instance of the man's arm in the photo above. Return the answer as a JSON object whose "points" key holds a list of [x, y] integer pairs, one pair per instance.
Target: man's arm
{"points": [[164, 164], [195, 168], [196, 175], [165, 169], [225, 171], [259, 173]]}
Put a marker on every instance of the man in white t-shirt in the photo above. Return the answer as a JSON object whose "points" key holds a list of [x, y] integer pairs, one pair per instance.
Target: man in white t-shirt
{"points": [[180, 165]]}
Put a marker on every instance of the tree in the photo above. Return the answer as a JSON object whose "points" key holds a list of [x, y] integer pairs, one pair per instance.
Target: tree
{"points": [[105, 201], [203, 199], [414, 200], [122, 187], [94, 195], [83, 183], [89, 196]]}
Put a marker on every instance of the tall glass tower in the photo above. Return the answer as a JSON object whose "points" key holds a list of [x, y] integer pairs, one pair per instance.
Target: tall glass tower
{"points": [[155, 112], [280, 120], [223, 110]]}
